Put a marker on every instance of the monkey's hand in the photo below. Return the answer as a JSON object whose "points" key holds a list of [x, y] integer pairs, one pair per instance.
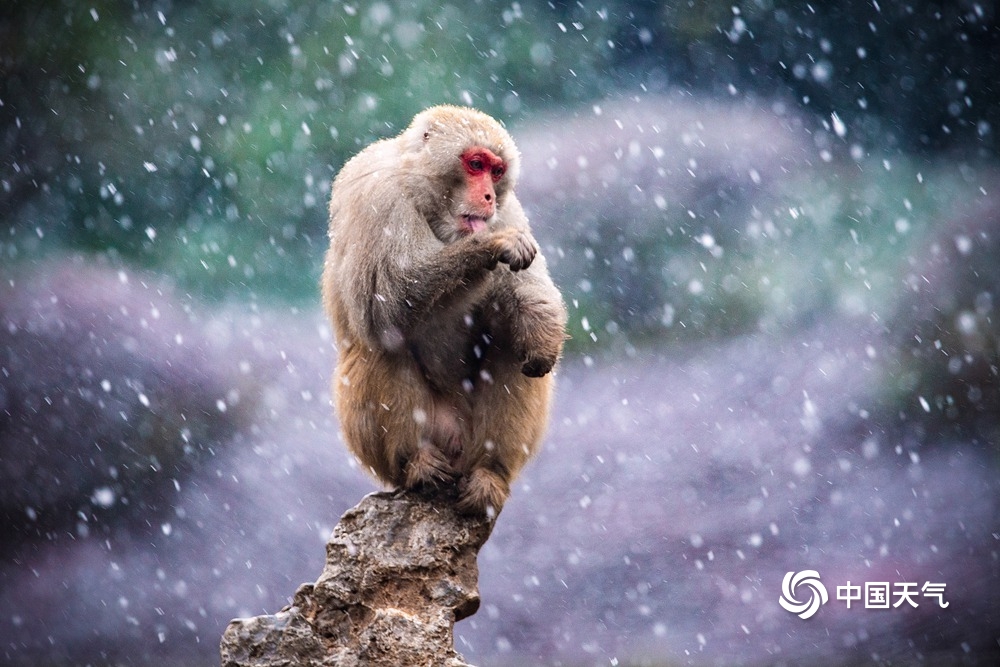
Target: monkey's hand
{"points": [[513, 247]]}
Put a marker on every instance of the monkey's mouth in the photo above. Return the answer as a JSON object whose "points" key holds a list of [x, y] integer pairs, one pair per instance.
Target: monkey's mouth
{"points": [[472, 223]]}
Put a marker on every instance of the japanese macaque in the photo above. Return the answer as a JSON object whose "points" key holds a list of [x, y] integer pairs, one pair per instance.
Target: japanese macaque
{"points": [[447, 323]]}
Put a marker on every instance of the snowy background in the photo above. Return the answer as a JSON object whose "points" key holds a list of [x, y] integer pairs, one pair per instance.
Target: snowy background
{"points": [[776, 225]]}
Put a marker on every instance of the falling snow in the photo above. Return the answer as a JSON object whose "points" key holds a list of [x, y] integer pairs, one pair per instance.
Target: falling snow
{"points": [[775, 231]]}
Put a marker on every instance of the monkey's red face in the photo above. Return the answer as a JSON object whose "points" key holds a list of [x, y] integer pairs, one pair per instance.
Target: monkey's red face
{"points": [[483, 170]]}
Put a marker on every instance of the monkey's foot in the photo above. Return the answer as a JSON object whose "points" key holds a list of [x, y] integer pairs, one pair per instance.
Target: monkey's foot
{"points": [[536, 367], [483, 492], [428, 466]]}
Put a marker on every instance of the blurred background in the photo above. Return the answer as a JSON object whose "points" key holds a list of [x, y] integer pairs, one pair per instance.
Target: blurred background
{"points": [[776, 225]]}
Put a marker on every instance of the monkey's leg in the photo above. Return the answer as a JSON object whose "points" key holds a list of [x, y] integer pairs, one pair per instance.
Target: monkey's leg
{"points": [[529, 311], [420, 431], [538, 330], [484, 491], [387, 415], [427, 466], [509, 417]]}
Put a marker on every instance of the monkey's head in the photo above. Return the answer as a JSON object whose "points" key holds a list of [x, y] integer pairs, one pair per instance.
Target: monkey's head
{"points": [[470, 158]]}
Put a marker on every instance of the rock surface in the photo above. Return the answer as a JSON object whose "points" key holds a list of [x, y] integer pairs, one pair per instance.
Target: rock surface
{"points": [[400, 571]]}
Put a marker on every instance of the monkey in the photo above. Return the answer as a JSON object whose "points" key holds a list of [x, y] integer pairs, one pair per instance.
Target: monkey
{"points": [[446, 322]]}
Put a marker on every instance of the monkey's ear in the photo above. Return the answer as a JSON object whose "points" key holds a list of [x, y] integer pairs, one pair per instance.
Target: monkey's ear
{"points": [[416, 137], [421, 130], [513, 163]]}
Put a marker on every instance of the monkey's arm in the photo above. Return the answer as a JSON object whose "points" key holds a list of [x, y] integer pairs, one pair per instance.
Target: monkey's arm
{"points": [[529, 307], [536, 317], [387, 272], [385, 265], [451, 273]]}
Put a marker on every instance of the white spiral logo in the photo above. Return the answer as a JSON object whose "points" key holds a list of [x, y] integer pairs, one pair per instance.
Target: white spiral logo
{"points": [[817, 593]]}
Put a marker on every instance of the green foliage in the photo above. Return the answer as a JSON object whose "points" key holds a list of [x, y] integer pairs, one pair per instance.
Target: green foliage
{"points": [[200, 138]]}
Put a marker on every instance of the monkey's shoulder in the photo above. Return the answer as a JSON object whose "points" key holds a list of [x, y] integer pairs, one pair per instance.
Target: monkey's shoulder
{"points": [[374, 164]]}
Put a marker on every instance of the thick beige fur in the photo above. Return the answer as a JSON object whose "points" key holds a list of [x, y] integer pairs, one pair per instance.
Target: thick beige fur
{"points": [[446, 339]]}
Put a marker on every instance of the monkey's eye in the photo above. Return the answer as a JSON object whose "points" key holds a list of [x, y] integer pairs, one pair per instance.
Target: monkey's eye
{"points": [[475, 164], [497, 172], [427, 135]]}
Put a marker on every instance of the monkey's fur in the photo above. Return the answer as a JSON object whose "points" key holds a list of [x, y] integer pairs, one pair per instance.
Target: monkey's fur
{"points": [[447, 333]]}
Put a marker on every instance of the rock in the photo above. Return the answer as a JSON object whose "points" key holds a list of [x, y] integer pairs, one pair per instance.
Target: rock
{"points": [[400, 571]]}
